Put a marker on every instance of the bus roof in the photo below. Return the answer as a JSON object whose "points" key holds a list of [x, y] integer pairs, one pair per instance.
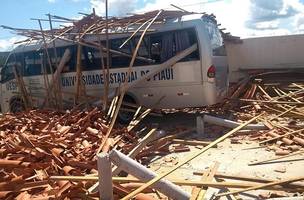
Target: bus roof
{"points": [[122, 28]]}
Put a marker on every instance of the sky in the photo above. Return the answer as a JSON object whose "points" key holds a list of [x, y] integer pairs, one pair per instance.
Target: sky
{"points": [[244, 18]]}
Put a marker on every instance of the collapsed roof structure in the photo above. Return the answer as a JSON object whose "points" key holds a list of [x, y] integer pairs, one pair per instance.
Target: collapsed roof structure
{"points": [[91, 24]]}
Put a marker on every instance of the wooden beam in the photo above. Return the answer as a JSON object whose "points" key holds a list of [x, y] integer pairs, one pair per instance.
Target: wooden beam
{"points": [[208, 178], [191, 142], [247, 178], [79, 82], [273, 102], [142, 143], [157, 178], [136, 31], [196, 190], [277, 158], [261, 186], [22, 88], [55, 91], [135, 121], [176, 181], [56, 57], [107, 77], [105, 94]]}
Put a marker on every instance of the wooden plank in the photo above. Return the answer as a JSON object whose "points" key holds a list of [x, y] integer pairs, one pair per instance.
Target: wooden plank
{"points": [[261, 186], [105, 94], [178, 182], [191, 142], [247, 178], [196, 190], [55, 91], [136, 31], [66, 56], [232, 196], [133, 123], [78, 74], [277, 158], [210, 176], [107, 76], [22, 88], [273, 102], [56, 60], [143, 142], [157, 178]]}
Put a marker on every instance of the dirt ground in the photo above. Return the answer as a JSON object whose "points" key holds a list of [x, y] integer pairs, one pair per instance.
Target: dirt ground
{"points": [[233, 158]]}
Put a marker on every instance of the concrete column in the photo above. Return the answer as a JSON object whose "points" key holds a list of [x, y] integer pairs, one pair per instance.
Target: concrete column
{"points": [[105, 177], [231, 124], [199, 125], [144, 174]]}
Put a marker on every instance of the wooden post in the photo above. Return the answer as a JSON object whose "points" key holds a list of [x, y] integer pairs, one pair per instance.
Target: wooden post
{"points": [[107, 77], [22, 88], [105, 95], [56, 63], [78, 79], [49, 62], [80, 87], [157, 178], [46, 82]]}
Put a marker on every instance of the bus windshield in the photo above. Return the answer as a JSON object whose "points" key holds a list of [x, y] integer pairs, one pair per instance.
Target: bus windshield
{"points": [[216, 39]]}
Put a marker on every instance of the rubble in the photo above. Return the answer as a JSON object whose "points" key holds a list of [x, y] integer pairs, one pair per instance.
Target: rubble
{"points": [[41, 143], [50, 154]]}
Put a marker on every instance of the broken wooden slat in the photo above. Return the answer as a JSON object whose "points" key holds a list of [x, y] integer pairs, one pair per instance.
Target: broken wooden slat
{"points": [[277, 158], [260, 186]]}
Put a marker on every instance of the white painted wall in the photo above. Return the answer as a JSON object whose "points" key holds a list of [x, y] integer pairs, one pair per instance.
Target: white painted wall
{"points": [[276, 52]]}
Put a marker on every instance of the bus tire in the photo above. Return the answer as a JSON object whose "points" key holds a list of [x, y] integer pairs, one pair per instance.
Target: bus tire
{"points": [[16, 105], [125, 117]]}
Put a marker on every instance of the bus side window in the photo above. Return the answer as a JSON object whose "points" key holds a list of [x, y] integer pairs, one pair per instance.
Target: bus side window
{"points": [[7, 74], [192, 37], [155, 48], [70, 65], [167, 44], [120, 60], [32, 63], [143, 51], [90, 59]]}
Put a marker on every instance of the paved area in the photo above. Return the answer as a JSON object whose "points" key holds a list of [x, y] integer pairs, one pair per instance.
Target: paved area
{"points": [[233, 158]]}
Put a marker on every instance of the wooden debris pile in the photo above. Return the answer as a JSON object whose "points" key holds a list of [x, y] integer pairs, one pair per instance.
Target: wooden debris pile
{"points": [[283, 105], [40, 143]]}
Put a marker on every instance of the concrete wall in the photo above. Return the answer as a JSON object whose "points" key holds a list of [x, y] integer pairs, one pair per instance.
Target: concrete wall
{"points": [[277, 52]]}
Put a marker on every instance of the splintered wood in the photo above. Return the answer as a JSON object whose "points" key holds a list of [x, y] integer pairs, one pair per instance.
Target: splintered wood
{"points": [[38, 144], [282, 101]]}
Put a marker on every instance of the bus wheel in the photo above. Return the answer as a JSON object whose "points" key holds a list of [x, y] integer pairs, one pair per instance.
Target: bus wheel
{"points": [[124, 115], [17, 105]]}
